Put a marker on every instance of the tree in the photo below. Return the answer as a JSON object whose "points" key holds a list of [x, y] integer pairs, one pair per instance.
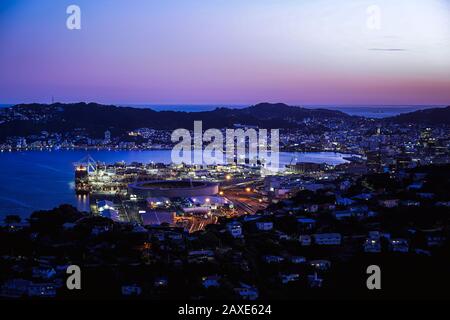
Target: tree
{"points": [[12, 219]]}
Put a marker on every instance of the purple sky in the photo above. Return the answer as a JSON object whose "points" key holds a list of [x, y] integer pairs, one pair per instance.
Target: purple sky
{"points": [[226, 52]]}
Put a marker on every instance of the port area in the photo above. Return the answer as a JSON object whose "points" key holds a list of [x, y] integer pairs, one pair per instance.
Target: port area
{"points": [[185, 196]]}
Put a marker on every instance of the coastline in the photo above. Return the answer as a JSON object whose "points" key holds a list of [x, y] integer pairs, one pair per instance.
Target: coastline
{"points": [[35, 180], [53, 149]]}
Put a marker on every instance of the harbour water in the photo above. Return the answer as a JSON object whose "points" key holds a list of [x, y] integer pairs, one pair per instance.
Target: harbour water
{"points": [[36, 180]]}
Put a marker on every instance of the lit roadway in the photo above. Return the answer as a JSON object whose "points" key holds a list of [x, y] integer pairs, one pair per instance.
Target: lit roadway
{"points": [[244, 197], [199, 223]]}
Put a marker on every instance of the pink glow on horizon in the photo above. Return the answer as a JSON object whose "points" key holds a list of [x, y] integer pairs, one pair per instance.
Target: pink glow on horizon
{"points": [[192, 52]]}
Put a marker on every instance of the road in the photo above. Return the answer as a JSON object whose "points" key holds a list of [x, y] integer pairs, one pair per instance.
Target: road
{"points": [[245, 198], [199, 223]]}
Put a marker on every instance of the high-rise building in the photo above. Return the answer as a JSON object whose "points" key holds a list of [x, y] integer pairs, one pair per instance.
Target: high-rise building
{"points": [[107, 137]]}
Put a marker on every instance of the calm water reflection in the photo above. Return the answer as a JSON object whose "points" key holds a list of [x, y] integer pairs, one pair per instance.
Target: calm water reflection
{"points": [[42, 180]]}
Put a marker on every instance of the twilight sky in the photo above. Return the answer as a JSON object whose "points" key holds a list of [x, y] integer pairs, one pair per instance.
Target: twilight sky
{"points": [[226, 52]]}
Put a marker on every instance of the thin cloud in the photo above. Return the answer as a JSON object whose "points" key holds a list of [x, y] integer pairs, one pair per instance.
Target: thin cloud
{"points": [[387, 49]]}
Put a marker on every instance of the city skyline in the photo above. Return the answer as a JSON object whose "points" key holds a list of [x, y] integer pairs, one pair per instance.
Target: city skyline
{"points": [[226, 52], [224, 157]]}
